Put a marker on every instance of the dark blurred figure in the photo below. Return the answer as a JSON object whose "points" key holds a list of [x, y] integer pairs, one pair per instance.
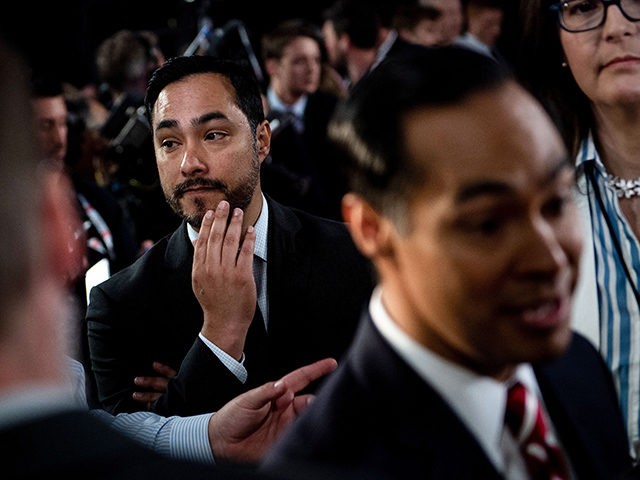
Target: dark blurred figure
{"points": [[483, 20], [419, 24], [110, 240], [124, 63], [301, 170], [351, 32]]}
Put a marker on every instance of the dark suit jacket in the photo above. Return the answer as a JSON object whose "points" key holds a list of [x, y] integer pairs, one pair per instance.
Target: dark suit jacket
{"points": [[397, 51], [302, 169], [317, 284], [74, 445], [376, 418]]}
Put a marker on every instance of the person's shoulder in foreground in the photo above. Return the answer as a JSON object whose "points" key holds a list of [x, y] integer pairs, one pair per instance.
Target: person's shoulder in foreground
{"points": [[474, 235], [43, 433], [73, 443]]}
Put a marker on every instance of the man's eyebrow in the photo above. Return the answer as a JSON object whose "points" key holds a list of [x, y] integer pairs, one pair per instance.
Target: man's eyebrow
{"points": [[171, 123], [166, 124], [498, 187], [208, 116]]}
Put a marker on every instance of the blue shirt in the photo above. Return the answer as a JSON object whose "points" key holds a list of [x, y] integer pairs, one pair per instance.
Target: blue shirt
{"points": [[183, 438]]}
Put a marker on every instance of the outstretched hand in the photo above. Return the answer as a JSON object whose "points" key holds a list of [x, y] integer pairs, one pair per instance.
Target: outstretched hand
{"points": [[246, 427]]}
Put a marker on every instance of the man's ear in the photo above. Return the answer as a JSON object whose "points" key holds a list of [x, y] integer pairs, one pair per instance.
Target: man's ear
{"points": [[371, 232], [271, 65], [344, 42], [62, 229], [263, 139]]}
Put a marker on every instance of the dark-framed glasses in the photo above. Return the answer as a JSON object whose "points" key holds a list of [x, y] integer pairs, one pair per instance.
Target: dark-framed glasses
{"points": [[583, 15]]}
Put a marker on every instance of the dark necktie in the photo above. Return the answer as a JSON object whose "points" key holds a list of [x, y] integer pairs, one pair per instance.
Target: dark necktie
{"points": [[256, 349], [295, 119], [541, 452]]}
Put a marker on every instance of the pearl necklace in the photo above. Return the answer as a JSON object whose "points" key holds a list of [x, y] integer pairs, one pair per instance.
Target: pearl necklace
{"points": [[624, 188]]}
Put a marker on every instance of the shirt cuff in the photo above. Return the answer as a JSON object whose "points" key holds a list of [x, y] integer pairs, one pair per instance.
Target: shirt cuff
{"points": [[189, 439], [235, 367]]}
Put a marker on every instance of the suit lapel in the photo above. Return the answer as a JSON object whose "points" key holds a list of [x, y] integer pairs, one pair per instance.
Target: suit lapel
{"points": [[430, 430], [177, 279], [287, 267]]}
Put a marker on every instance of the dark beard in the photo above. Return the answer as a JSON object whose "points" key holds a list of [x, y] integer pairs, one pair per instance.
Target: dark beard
{"points": [[239, 197]]}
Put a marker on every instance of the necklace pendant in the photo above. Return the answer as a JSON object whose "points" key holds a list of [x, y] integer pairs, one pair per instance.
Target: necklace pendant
{"points": [[623, 188]]}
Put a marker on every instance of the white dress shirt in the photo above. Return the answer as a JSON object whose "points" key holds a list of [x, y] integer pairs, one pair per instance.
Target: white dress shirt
{"points": [[478, 400]]}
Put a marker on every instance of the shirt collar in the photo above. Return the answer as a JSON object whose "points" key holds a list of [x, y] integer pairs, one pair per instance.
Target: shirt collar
{"points": [[384, 48], [587, 151], [478, 400], [297, 108]]}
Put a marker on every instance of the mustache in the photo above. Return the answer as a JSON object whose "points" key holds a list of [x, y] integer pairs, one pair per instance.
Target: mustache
{"points": [[214, 184]]}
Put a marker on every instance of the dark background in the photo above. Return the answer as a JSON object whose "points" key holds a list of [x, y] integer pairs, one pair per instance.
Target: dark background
{"points": [[63, 35]]}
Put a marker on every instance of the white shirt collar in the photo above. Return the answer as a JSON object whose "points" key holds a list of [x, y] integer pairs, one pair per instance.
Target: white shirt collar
{"points": [[384, 48], [297, 108], [478, 400]]}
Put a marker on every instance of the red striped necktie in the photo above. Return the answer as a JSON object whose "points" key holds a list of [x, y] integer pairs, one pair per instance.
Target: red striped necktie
{"points": [[538, 446]]}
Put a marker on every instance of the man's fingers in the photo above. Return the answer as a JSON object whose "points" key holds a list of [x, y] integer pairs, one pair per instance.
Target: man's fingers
{"points": [[245, 255], [157, 384], [145, 397], [200, 245], [301, 402], [164, 370], [231, 242], [217, 233], [303, 376], [283, 390]]}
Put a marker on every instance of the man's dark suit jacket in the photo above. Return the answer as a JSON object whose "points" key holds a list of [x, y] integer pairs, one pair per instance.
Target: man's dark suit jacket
{"points": [[73, 444], [302, 169], [376, 418], [317, 286]]}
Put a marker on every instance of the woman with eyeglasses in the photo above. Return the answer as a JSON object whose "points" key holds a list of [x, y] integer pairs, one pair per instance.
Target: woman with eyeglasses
{"points": [[581, 58]]}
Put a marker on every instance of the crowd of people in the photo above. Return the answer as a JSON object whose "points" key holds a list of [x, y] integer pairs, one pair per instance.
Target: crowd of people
{"points": [[434, 240]]}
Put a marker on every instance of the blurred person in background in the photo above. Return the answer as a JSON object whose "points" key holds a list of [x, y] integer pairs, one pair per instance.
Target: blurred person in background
{"points": [[483, 26], [301, 170], [351, 31], [124, 62]]}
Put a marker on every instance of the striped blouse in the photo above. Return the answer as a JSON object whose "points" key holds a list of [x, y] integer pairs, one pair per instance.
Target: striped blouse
{"points": [[619, 312]]}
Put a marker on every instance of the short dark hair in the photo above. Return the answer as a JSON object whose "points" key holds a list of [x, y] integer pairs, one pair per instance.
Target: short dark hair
{"points": [[368, 126], [247, 91], [407, 16], [274, 42], [357, 19], [118, 56], [44, 84]]}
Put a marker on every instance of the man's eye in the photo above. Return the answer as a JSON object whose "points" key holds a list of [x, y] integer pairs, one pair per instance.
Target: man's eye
{"points": [[214, 135], [485, 227], [168, 144]]}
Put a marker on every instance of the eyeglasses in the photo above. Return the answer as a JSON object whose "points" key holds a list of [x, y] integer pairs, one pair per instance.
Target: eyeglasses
{"points": [[582, 15]]}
